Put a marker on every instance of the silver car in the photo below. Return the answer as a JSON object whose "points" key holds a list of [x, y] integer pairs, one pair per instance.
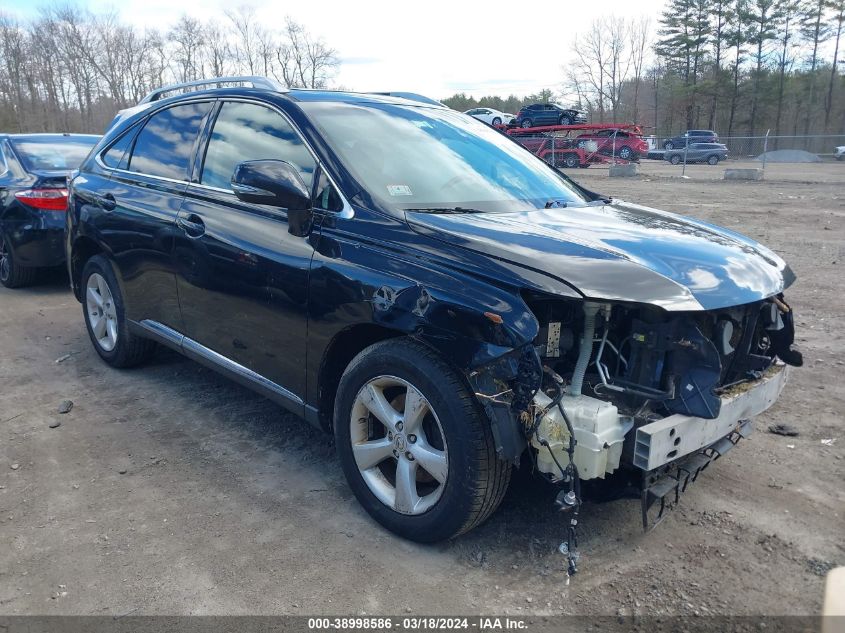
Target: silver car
{"points": [[710, 153]]}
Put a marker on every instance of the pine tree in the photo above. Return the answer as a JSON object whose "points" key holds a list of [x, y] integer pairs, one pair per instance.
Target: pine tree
{"points": [[736, 37], [815, 30], [684, 37], [762, 17], [838, 7], [787, 12]]}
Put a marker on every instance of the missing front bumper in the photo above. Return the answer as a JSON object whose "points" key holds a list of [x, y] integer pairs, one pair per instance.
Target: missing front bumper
{"points": [[674, 451], [663, 487], [666, 440]]}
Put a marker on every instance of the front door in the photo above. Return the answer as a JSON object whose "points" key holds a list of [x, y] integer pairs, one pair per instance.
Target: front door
{"points": [[242, 276]]}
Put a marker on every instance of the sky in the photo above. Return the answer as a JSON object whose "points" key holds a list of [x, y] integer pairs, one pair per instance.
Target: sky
{"points": [[435, 47]]}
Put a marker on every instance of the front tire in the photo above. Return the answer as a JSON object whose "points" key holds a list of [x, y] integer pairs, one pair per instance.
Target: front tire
{"points": [[497, 121], [105, 317], [626, 153], [675, 159], [713, 160], [565, 120], [12, 274], [526, 123], [414, 444]]}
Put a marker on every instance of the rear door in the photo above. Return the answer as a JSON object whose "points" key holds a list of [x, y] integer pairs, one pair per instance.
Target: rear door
{"points": [[135, 212], [242, 276]]}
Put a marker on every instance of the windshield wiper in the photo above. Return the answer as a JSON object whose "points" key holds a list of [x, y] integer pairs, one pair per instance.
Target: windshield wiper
{"points": [[556, 204], [446, 210]]}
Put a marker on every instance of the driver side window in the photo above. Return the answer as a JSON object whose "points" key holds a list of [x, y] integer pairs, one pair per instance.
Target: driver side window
{"points": [[248, 131]]}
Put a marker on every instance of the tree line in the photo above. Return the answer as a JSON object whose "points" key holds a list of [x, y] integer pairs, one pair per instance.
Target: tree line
{"points": [[71, 70], [741, 67]]}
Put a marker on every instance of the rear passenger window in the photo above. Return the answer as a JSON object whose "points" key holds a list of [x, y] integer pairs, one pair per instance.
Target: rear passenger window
{"points": [[165, 144], [247, 131]]}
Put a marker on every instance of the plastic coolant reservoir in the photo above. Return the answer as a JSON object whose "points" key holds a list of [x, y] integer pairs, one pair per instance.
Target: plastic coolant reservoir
{"points": [[599, 434]]}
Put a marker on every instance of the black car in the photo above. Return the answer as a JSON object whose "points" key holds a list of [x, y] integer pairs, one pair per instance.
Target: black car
{"points": [[691, 136], [540, 114], [33, 200], [710, 153], [415, 282]]}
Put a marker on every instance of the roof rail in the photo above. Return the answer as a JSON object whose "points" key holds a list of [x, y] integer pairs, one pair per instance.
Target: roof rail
{"points": [[411, 96], [255, 82]]}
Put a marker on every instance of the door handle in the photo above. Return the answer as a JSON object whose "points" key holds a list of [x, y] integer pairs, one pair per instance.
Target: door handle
{"points": [[107, 202], [192, 225]]}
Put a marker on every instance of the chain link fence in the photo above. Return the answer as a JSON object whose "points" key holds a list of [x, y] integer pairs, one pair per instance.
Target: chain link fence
{"points": [[749, 147]]}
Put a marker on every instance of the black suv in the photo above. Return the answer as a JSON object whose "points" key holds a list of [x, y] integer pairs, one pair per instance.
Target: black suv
{"points": [[415, 282], [691, 136], [540, 114]]}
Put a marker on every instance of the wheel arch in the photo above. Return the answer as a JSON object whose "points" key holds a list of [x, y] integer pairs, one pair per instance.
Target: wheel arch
{"points": [[84, 248], [345, 346]]}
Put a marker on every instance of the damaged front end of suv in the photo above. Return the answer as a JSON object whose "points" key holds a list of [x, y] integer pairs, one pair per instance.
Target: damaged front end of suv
{"points": [[651, 392]]}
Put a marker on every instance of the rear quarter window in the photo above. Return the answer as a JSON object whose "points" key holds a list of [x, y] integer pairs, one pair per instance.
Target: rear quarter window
{"points": [[117, 156]]}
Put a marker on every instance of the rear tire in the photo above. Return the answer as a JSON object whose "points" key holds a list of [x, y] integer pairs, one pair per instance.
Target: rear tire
{"points": [[123, 349], [571, 161], [12, 274], [473, 481], [526, 123], [497, 121]]}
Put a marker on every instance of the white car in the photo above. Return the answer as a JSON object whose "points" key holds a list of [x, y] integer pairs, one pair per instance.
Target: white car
{"points": [[839, 152], [491, 116]]}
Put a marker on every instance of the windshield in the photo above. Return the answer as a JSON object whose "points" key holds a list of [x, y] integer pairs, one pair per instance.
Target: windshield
{"points": [[433, 159], [53, 152]]}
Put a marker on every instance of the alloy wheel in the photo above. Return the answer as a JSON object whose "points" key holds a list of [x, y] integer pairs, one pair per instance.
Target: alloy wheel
{"points": [[102, 313], [399, 445]]}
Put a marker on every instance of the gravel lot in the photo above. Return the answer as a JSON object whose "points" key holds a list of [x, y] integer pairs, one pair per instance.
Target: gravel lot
{"points": [[169, 490]]}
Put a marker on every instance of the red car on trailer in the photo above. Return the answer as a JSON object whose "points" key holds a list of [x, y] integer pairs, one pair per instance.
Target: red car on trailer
{"points": [[627, 144], [557, 146]]}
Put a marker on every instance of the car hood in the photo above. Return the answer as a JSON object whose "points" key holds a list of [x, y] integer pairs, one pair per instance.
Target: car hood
{"points": [[622, 252]]}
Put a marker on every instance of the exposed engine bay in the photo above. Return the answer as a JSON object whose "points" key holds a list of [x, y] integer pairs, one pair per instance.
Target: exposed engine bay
{"points": [[617, 387]]}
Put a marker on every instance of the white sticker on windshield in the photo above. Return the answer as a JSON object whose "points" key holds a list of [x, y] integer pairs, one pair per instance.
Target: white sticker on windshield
{"points": [[399, 190]]}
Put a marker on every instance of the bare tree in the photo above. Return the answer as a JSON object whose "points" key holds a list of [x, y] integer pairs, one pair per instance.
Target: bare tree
{"points": [[187, 38], [247, 43], [304, 60], [640, 34], [218, 51], [589, 69]]}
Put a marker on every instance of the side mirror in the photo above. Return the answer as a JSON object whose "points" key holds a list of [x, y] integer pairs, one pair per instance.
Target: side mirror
{"points": [[273, 182]]}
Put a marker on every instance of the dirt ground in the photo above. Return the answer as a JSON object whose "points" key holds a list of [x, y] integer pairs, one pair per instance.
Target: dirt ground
{"points": [[169, 490]]}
